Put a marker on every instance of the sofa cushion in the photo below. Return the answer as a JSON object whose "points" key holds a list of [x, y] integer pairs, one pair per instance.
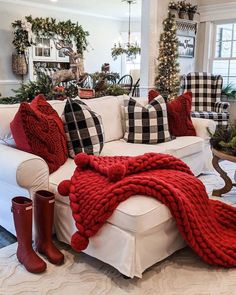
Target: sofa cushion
{"points": [[180, 147], [108, 107], [146, 124], [38, 129], [84, 128], [137, 214]]}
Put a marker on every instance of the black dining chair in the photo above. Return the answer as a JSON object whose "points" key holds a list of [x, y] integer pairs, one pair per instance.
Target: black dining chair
{"points": [[136, 89], [110, 79], [126, 82]]}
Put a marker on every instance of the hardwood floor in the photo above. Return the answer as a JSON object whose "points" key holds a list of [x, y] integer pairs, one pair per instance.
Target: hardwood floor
{"points": [[6, 238]]}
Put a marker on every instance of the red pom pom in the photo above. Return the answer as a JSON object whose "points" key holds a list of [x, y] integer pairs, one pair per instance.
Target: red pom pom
{"points": [[116, 172], [152, 94], [78, 242], [64, 188], [82, 160]]}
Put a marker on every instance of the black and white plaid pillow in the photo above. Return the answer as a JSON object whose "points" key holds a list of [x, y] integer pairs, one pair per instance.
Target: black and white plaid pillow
{"points": [[146, 124], [83, 127]]}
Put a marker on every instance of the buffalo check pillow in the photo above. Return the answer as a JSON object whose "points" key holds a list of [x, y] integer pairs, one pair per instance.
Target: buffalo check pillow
{"points": [[146, 124], [83, 128]]}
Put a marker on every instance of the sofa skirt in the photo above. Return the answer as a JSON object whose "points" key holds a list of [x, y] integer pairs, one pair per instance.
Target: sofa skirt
{"points": [[131, 253]]}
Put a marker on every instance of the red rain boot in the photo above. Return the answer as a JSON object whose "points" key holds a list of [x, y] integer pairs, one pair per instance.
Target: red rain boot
{"points": [[22, 214], [44, 215]]}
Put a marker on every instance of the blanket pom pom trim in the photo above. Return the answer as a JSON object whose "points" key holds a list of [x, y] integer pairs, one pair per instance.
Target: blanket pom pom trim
{"points": [[64, 188], [116, 172], [79, 242], [82, 160]]}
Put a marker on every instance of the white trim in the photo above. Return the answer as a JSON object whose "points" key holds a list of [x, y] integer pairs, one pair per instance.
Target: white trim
{"points": [[10, 82], [60, 9], [218, 12]]}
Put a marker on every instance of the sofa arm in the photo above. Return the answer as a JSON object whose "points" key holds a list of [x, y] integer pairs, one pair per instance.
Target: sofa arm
{"points": [[23, 169], [202, 125], [221, 107]]}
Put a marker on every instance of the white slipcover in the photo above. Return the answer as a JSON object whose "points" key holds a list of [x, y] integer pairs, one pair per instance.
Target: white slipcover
{"points": [[141, 231]]}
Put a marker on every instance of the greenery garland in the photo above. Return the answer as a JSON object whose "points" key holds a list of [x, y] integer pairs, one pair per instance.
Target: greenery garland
{"points": [[47, 27], [131, 51]]}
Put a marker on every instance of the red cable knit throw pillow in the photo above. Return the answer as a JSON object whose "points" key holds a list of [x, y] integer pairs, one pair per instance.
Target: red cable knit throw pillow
{"points": [[37, 129], [179, 116]]}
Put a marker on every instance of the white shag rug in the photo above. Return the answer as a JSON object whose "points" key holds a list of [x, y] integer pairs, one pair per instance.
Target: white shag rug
{"points": [[182, 273]]}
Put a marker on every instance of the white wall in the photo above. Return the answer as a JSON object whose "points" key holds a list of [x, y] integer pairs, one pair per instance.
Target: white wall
{"points": [[102, 31], [212, 2]]}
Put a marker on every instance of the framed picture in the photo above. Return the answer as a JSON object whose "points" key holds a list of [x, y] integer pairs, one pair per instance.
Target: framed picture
{"points": [[186, 46]]}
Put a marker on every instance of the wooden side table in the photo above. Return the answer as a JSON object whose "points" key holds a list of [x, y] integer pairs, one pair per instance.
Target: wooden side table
{"points": [[217, 157]]}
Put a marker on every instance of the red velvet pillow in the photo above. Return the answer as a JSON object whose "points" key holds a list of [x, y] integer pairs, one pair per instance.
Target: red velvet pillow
{"points": [[179, 116], [37, 129]]}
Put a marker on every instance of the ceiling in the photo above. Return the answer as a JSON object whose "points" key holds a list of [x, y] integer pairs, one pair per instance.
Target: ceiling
{"points": [[109, 8]]}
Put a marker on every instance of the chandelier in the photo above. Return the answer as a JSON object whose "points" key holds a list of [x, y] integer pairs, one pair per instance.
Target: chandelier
{"points": [[129, 48]]}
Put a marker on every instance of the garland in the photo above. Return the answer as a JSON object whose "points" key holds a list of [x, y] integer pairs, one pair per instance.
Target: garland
{"points": [[26, 30], [131, 51]]}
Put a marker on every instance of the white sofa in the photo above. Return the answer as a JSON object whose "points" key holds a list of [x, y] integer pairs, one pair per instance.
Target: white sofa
{"points": [[141, 231]]}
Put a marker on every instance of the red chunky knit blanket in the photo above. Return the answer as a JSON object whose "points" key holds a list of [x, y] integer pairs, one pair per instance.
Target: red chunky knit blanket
{"points": [[99, 184]]}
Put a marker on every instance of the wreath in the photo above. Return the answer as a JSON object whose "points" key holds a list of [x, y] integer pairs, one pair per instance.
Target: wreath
{"points": [[27, 29]]}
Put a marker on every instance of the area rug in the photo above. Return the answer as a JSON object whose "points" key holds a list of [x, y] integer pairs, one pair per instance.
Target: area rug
{"points": [[182, 273]]}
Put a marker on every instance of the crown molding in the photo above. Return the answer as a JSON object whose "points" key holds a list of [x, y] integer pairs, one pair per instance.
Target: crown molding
{"points": [[218, 12], [10, 82], [60, 9]]}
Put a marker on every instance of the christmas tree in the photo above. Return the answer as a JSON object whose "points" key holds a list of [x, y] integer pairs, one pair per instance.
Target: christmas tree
{"points": [[167, 81]]}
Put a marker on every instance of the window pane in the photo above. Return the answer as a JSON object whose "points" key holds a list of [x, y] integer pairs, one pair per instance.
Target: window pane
{"points": [[223, 49], [232, 71], [46, 43], [224, 32], [220, 67], [234, 48], [225, 81], [235, 31], [232, 81]]}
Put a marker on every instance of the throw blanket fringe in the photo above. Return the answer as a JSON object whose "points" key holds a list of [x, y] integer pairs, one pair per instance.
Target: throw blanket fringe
{"points": [[99, 184]]}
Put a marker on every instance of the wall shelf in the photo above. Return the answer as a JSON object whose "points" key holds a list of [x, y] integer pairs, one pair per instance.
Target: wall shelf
{"points": [[186, 25]]}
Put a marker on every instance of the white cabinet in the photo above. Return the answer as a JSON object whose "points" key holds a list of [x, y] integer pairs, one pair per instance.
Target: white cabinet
{"points": [[45, 55], [45, 50]]}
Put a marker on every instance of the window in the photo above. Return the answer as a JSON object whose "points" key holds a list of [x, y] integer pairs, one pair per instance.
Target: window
{"points": [[224, 60]]}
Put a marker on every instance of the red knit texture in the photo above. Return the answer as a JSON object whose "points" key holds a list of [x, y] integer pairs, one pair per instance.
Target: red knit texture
{"points": [[37, 129], [152, 94], [179, 115], [208, 226]]}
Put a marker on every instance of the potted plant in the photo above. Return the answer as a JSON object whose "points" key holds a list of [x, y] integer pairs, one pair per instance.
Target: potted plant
{"points": [[192, 10], [182, 9], [228, 92], [173, 8], [224, 139]]}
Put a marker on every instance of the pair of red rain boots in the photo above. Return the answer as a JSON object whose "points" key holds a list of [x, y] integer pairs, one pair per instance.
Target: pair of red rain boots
{"points": [[22, 208]]}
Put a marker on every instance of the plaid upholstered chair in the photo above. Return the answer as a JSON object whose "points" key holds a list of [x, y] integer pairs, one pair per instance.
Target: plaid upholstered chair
{"points": [[206, 102]]}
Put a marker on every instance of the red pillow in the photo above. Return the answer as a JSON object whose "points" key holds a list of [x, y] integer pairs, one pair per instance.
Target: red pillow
{"points": [[152, 94], [179, 116], [37, 129]]}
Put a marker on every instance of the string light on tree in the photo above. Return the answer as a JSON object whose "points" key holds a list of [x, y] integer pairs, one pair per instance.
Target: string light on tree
{"points": [[167, 81]]}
